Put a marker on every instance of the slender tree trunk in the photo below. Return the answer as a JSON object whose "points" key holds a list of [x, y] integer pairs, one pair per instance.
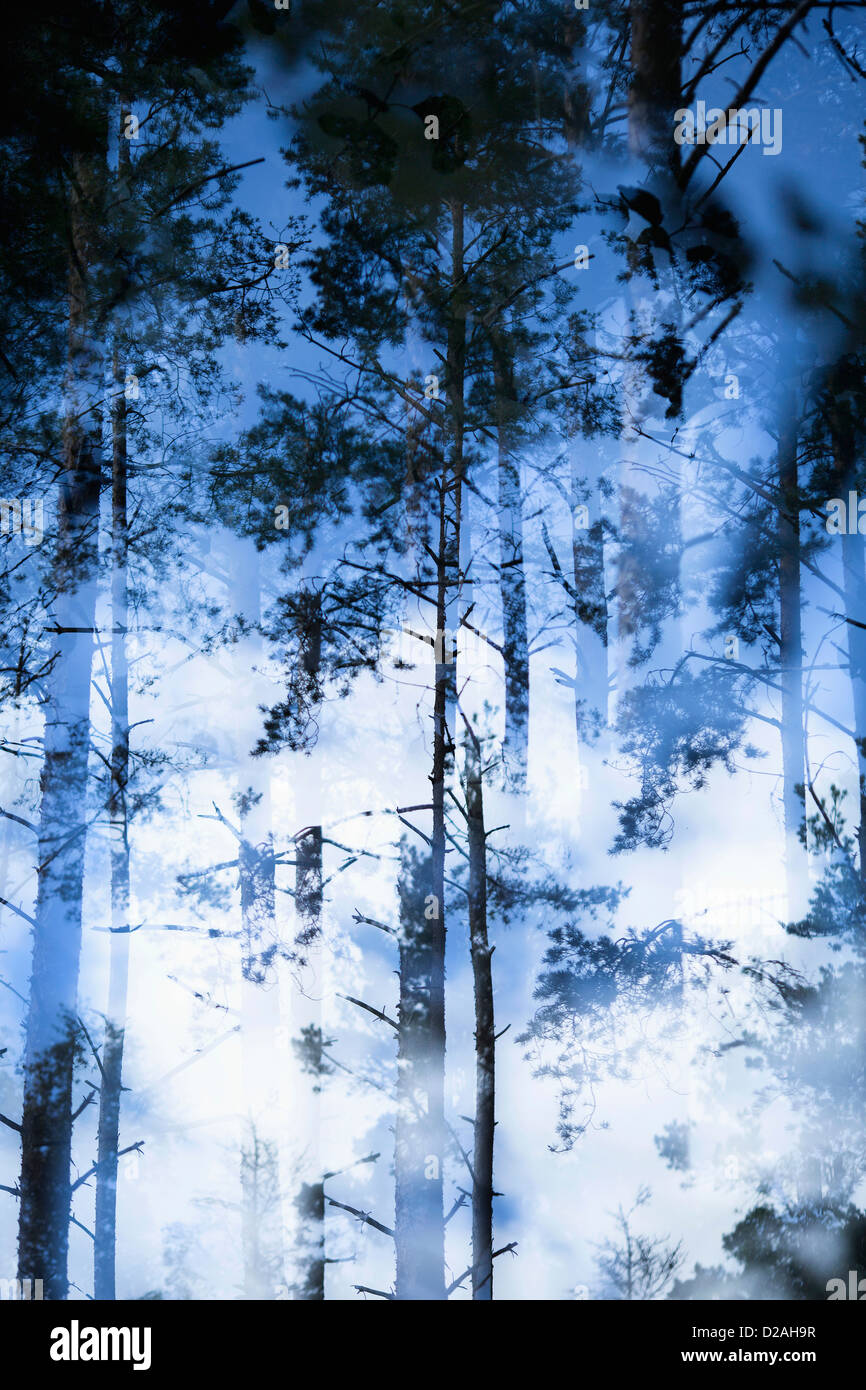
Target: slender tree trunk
{"points": [[447, 622], [308, 884], [310, 1242], [105, 1227], [443, 751], [591, 674], [512, 581], [420, 1130], [855, 606], [791, 658], [419, 1227], [854, 585], [310, 1200], [654, 94], [52, 1022], [590, 609], [485, 1035], [419, 1236]]}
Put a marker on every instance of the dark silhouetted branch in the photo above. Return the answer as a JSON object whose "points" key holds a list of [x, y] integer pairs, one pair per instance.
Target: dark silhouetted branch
{"points": [[377, 1013], [362, 1216]]}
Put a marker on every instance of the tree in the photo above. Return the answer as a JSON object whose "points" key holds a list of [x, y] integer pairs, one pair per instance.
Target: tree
{"points": [[440, 230], [635, 1266]]}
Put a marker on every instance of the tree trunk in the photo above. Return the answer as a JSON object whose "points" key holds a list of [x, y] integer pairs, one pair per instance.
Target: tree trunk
{"points": [[52, 1022], [419, 1233], [420, 1130], [512, 580], [590, 609], [310, 1200], [854, 585], [791, 660], [654, 93], [855, 606], [419, 1227], [309, 1241], [485, 1037], [105, 1227]]}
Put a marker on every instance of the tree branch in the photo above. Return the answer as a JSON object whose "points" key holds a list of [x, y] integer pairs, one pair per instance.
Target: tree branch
{"points": [[377, 1013], [362, 1216], [750, 83], [88, 1100], [19, 912], [86, 1229], [371, 922], [19, 820], [131, 1148]]}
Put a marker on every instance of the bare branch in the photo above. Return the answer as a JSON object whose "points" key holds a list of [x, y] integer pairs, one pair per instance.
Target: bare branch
{"points": [[131, 1148], [377, 1013], [410, 826], [362, 1216], [557, 567], [93, 1048], [461, 1202], [751, 81], [88, 1100], [18, 911], [371, 922], [369, 1158], [19, 820], [80, 1224]]}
